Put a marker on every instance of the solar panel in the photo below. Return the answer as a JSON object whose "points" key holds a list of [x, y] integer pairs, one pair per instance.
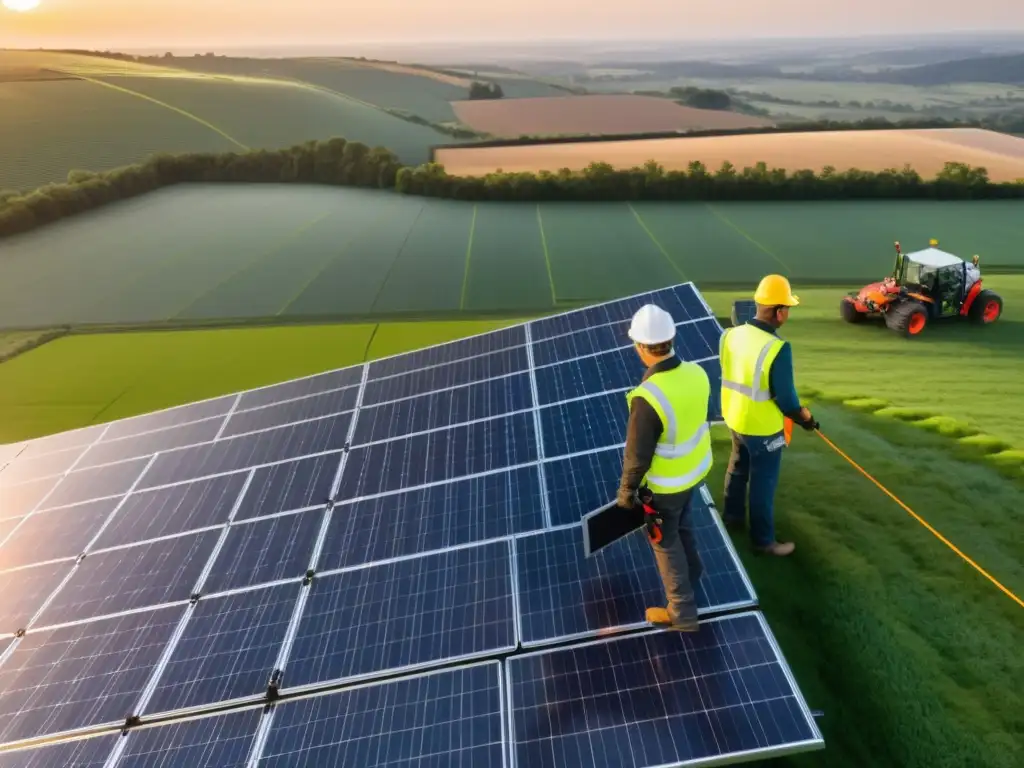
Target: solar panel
{"points": [[659, 699], [83, 753], [564, 595], [81, 675], [453, 718], [743, 311], [436, 498], [405, 614], [227, 650]]}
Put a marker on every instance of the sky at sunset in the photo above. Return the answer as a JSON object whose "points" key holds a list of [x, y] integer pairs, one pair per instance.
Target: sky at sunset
{"points": [[102, 23]]}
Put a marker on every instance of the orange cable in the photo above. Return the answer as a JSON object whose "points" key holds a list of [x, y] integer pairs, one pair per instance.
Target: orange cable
{"points": [[922, 521]]}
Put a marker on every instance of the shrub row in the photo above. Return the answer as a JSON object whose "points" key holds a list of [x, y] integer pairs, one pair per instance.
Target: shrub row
{"points": [[336, 162], [600, 181], [348, 163]]}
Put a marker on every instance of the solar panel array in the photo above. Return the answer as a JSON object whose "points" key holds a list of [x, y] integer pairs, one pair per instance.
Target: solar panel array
{"points": [[390, 555]]}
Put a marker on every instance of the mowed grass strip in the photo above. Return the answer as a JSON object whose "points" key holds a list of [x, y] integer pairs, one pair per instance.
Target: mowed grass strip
{"points": [[507, 270], [595, 251], [149, 258], [427, 276]]}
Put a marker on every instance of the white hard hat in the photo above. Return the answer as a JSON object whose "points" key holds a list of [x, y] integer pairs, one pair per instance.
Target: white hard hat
{"points": [[652, 325]]}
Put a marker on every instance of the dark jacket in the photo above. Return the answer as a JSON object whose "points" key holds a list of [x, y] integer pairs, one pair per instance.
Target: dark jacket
{"points": [[642, 434]]}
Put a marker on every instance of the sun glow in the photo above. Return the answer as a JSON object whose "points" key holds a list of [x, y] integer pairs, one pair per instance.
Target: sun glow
{"points": [[21, 5]]}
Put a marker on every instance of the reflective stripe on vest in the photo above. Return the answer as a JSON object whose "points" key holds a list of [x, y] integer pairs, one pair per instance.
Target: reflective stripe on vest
{"points": [[747, 353], [682, 456], [755, 392], [669, 446]]}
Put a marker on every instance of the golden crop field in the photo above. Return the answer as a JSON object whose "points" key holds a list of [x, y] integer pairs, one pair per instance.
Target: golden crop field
{"points": [[601, 114], [924, 150]]}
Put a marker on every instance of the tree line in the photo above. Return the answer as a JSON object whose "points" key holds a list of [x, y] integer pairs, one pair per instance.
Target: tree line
{"points": [[352, 164]]}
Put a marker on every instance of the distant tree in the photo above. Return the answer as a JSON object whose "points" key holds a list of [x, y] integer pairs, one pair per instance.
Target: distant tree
{"points": [[703, 98], [479, 91]]}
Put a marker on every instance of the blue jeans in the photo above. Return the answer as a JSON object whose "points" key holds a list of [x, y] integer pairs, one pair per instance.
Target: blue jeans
{"points": [[754, 465]]}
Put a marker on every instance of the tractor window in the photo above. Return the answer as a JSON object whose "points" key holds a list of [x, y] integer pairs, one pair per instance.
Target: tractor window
{"points": [[918, 275], [950, 289]]}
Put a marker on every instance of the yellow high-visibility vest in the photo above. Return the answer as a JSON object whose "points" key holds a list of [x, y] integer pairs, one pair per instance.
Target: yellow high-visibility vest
{"points": [[747, 354], [683, 456]]}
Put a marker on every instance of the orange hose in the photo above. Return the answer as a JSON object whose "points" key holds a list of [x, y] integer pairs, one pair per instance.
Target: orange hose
{"points": [[923, 522]]}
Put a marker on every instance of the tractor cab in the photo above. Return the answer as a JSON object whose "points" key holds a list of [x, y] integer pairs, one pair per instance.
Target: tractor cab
{"points": [[925, 285]]}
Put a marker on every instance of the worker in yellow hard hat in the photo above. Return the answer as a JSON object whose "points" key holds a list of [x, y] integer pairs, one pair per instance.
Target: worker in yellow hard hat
{"points": [[667, 455], [758, 395]]}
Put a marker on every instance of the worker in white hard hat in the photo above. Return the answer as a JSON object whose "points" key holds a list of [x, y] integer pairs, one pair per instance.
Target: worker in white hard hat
{"points": [[667, 454], [758, 396]]}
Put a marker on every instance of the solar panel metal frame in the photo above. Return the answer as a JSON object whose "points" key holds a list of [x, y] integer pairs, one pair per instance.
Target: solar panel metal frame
{"points": [[753, 602], [731, 758]]}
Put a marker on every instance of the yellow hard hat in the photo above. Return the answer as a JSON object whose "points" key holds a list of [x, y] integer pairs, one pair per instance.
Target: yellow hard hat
{"points": [[774, 291]]}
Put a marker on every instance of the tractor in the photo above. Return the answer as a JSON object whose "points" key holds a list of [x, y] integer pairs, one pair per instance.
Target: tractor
{"points": [[924, 286]]}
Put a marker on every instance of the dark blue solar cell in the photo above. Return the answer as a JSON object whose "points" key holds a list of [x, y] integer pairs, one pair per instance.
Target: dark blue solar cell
{"points": [[452, 719], [615, 370], [442, 455], [312, 407], [55, 534], [84, 753], [228, 649], [22, 470], [26, 589], [268, 549], [582, 425], [18, 500], [448, 353], [446, 376], [713, 368], [656, 699], [589, 341], [148, 515], [108, 452], [564, 594], [581, 484], [62, 441], [405, 614], [82, 675], [121, 579], [697, 341], [221, 741], [441, 409], [236, 453], [680, 301], [311, 385], [290, 485], [97, 483], [439, 516], [172, 417]]}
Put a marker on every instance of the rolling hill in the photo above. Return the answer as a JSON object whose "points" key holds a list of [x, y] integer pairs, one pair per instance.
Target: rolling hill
{"points": [[60, 112], [983, 69]]}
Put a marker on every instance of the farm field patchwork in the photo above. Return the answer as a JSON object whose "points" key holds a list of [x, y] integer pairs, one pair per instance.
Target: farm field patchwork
{"points": [[600, 114], [871, 610], [218, 252], [927, 151]]}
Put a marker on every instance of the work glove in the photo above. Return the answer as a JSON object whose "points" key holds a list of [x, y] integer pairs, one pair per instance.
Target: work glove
{"points": [[811, 425]]}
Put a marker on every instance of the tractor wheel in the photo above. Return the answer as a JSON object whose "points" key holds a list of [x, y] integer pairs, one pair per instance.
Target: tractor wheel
{"points": [[986, 308], [907, 317], [849, 312]]}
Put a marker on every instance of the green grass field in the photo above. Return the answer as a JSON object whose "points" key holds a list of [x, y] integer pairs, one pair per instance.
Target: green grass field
{"points": [[207, 253], [111, 113], [910, 654]]}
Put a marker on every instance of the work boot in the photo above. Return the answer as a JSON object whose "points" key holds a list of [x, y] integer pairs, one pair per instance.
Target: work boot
{"points": [[659, 617], [777, 548]]}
